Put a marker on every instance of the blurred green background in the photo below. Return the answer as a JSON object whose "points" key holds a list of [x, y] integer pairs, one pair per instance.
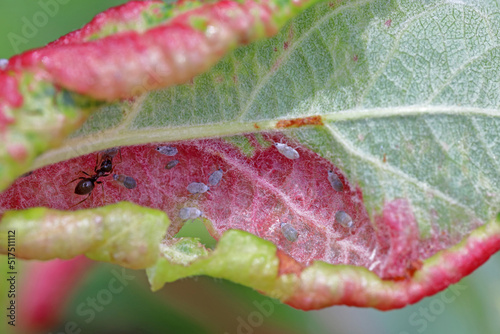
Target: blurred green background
{"points": [[14, 15], [206, 305]]}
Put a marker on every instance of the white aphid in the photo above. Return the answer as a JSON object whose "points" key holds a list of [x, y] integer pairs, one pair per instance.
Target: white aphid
{"points": [[189, 213], [215, 177], [335, 182], [289, 232], [287, 151], [197, 188], [343, 219], [167, 150], [3, 63]]}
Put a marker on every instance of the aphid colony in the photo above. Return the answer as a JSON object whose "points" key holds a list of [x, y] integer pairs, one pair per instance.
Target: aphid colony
{"points": [[200, 188], [104, 167], [341, 217], [194, 187]]}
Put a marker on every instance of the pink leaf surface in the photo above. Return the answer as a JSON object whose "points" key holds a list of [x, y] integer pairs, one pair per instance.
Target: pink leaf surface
{"points": [[257, 193]]}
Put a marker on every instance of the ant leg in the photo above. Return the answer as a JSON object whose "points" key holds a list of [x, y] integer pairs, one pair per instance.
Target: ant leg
{"points": [[97, 158], [113, 166], [82, 172], [102, 191], [120, 152], [83, 200]]}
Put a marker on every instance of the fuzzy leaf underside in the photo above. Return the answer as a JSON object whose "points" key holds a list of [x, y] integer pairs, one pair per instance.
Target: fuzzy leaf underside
{"points": [[405, 99]]}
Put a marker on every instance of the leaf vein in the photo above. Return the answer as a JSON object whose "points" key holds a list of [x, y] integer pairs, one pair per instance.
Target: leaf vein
{"points": [[349, 147], [459, 71], [393, 51], [291, 48]]}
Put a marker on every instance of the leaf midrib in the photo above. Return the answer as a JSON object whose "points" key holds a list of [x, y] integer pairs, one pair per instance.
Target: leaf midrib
{"points": [[121, 136]]}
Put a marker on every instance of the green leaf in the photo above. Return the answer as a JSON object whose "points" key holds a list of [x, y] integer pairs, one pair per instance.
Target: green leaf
{"points": [[239, 256], [123, 233]]}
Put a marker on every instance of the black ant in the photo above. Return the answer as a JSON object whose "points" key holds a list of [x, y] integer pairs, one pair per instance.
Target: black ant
{"points": [[87, 184]]}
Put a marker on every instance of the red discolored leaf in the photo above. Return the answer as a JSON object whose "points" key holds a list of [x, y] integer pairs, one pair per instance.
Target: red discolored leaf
{"points": [[322, 286], [260, 189]]}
